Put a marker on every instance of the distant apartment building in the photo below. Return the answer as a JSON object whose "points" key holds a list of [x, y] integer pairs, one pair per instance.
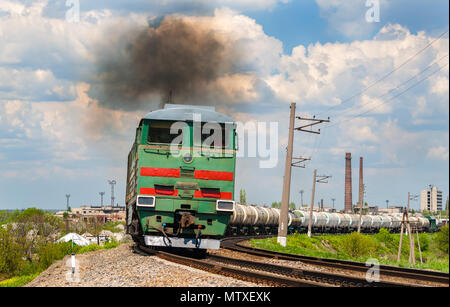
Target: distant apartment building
{"points": [[431, 200]]}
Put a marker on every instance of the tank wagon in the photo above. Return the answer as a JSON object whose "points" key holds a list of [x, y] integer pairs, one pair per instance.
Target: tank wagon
{"points": [[180, 186], [251, 220]]}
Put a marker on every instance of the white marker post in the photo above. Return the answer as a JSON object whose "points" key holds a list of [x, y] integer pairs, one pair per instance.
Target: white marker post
{"points": [[73, 263]]}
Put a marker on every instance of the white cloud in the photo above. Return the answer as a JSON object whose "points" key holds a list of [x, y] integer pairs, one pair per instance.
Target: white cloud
{"points": [[348, 17], [439, 153], [325, 74], [45, 109]]}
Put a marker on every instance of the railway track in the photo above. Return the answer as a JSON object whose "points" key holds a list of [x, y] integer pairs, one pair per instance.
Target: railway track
{"points": [[257, 277], [265, 273], [407, 274]]}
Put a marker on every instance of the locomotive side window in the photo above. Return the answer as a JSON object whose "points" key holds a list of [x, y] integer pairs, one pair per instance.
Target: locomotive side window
{"points": [[159, 132]]}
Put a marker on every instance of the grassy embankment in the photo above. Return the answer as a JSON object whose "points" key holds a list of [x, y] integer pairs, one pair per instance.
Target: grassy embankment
{"points": [[358, 247], [47, 257], [27, 245]]}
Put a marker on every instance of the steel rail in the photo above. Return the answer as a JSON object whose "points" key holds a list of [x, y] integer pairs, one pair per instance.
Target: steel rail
{"points": [[332, 279], [268, 274], [385, 270], [258, 277]]}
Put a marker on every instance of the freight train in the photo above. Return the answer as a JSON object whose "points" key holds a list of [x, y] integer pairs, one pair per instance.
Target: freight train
{"points": [[260, 220], [180, 187]]}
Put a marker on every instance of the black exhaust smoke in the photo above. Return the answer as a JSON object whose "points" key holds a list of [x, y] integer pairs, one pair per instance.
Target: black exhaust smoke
{"points": [[176, 55]]}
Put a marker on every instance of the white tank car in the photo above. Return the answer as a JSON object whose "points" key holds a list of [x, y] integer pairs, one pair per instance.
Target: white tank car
{"points": [[333, 220], [366, 222], [396, 221], [255, 216]]}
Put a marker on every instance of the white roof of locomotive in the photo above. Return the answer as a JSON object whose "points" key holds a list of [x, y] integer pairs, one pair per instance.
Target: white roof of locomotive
{"points": [[175, 112]]}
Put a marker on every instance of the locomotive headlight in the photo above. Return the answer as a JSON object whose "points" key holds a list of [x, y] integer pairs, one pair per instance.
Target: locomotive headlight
{"points": [[225, 205], [146, 201], [187, 158]]}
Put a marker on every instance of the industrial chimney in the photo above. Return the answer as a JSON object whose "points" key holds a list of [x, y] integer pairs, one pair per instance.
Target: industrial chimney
{"points": [[361, 183], [348, 182]]}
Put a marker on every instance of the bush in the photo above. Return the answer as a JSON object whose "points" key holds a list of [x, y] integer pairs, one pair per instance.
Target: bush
{"points": [[87, 249], [385, 236], [442, 239], [112, 226], [358, 245], [11, 253], [424, 242], [50, 252]]}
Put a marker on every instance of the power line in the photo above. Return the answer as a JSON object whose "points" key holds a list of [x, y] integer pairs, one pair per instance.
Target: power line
{"points": [[316, 148], [389, 100], [316, 145], [400, 85], [387, 75]]}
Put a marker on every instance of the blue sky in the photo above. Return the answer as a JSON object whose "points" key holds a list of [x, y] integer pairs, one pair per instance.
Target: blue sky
{"points": [[56, 138]]}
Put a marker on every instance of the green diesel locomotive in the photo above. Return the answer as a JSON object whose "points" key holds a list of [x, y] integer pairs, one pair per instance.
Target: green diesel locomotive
{"points": [[181, 178]]}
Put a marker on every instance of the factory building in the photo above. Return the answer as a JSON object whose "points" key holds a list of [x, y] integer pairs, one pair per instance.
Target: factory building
{"points": [[104, 214], [431, 200]]}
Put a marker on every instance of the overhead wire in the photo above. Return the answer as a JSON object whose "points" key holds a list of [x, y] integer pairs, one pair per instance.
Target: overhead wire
{"points": [[387, 75], [391, 99], [398, 86]]}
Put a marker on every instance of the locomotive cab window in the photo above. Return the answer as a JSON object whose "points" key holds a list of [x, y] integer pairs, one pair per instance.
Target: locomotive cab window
{"points": [[216, 135], [160, 133]]}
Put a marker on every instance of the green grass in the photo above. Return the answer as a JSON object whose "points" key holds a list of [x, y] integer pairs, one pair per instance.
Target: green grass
{"points": [[52, 253], [358, 247], [19, 281]]}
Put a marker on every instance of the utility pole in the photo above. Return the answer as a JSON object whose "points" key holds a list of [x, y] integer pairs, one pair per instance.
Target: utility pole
{"points": [[301, 198], [411, 197], [318, 179], [333, 200], [387, 204], [101, 198], [312, 204], [282, 229], [67, 196], [406, 225], [112, 183], [361, 192]]}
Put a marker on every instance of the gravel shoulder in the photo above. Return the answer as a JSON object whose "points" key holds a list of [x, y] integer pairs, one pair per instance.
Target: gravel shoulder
{"points": [[121, 267]]}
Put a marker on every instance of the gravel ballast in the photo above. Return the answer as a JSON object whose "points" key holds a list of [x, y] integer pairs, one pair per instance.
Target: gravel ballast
{"points": [[121, 267]]}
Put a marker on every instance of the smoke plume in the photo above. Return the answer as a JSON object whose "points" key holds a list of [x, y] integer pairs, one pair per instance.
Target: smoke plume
{"points": [[173, 55]]}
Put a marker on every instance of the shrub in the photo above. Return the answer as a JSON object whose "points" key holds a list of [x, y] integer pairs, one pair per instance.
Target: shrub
{"points": [[89, 248], [50, 252], [442, 239], [11, 253], [358, 245], [385, 236], [424, 242]]}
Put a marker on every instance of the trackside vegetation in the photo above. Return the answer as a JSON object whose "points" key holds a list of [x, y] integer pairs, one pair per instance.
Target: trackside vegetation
{"points": [[27, 245], [360, 247]]}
